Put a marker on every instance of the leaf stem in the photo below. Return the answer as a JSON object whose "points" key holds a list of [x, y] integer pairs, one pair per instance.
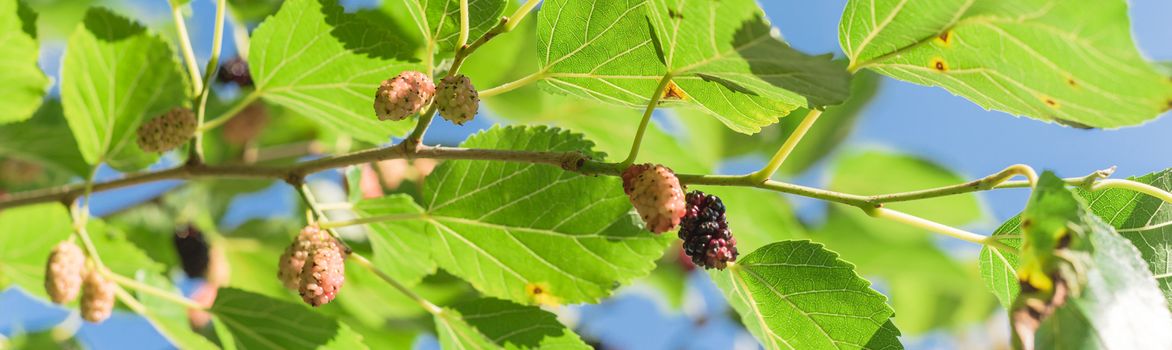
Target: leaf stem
{"points": [[152, 290], [185, 45], [512, 85], [311, 202], [231, 112], [986, 183], [463, 38], [915, 221], [520, 14], [788, 147], [1133, 186], [195, 153], [651, 104], [412, 142], [427, 305]]}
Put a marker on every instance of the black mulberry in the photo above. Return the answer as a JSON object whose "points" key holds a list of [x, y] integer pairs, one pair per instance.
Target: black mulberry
{"points": [[193, 250], [704, 230], [235, 70]]}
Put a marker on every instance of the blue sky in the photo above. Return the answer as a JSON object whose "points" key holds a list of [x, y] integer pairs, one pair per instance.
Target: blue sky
{"points": [[924, 121]]}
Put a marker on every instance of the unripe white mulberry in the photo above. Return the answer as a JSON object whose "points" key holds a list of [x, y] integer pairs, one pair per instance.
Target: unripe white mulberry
{"points": [[323, 275], [456, 99], [167, 131], [656, 194], [97, 296], [399, 97], [293, 260], [63, 272]]}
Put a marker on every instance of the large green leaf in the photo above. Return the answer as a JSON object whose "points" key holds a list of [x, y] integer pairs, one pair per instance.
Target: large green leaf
{"points": [[314, 58], [724, 58], [1071, 62], [401, 249], [1144, 220], [533, 233], [878, 172], [24, 83], [114, 76], [798, 295], [1140, 218], [45, 139], [494, 323], [259, 322], [1103, 293], [29, 235]]}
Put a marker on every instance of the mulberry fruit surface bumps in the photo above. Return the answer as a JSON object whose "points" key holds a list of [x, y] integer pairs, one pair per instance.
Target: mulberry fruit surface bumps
{"points": [[293, 260], [656, 194], [167, 131], [404, 95], [63, 272], [457, 99], [323, 275], [97, 296], [704, 230]]}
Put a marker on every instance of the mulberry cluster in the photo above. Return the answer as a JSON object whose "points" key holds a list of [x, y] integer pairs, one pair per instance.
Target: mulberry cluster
{"points": [[457, 100], [66, 276], [167, 131], [656, 194], [314, 266], [399, 97], [704, 229], [235, 70]]}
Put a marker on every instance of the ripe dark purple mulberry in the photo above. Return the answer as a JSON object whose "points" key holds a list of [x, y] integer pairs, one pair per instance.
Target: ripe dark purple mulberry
{"points": [[704, 229], [235, 70], [192, 249]]}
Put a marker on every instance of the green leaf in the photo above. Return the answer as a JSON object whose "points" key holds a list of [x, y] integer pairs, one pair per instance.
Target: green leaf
{"points": [[260, 322], [401, 248], [24, 83], [29, 234], [443, 19], [1143, 220], [878, 172], [375, 303], [798, 295], [1070, 62], [1139, 218], [314, 58], [1073, 261], [724, 59], [119, 254], [504, 325], [44, 139], [455, 333], [929, 289], [492, 223], [114, 76]]}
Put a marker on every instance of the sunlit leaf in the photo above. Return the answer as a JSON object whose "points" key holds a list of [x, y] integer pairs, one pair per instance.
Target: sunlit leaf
{"points": [[1069, 62]]}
